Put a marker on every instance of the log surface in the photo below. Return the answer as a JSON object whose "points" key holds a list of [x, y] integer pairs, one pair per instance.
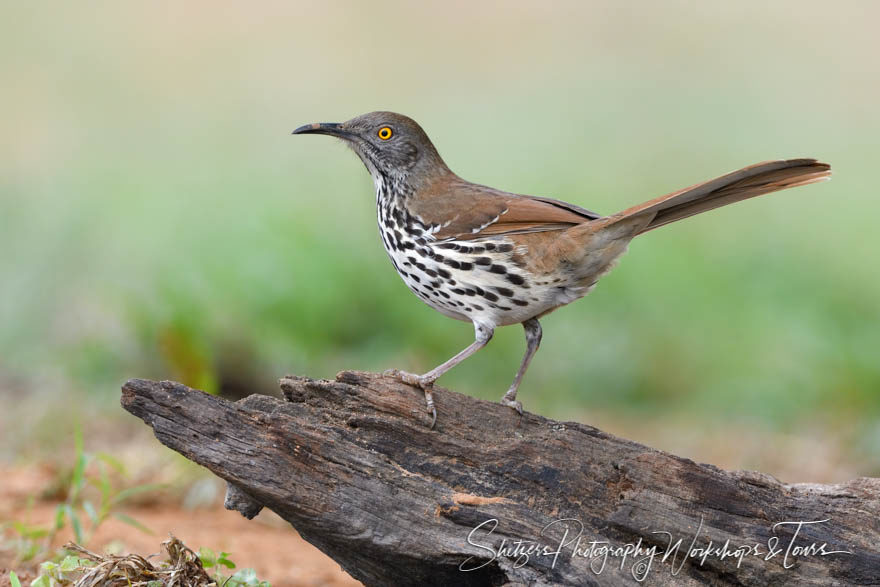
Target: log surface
{"points": [[353, 465]]}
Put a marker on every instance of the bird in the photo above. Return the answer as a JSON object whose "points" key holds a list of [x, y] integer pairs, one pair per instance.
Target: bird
{"points": [[494, 258]]}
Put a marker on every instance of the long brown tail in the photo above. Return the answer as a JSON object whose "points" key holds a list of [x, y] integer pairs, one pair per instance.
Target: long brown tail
{"points": [[748, 182]]}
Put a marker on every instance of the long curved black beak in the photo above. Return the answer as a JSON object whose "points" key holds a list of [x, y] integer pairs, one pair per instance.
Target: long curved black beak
{"points": [[323, 128]]}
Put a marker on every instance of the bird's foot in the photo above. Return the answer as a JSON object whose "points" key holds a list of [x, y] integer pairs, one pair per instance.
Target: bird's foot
{"points": [[510, 401], [429, 403], [420, 381]]}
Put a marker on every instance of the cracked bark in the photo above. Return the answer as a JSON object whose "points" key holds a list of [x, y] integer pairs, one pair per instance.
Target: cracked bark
{"points": [[354, 467]]}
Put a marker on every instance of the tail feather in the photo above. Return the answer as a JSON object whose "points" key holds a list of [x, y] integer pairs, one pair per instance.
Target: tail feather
{"points": [[748, 182]]}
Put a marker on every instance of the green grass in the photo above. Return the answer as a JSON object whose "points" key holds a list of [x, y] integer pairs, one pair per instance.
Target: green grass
{"points": [[91, 497], [159, 221]]}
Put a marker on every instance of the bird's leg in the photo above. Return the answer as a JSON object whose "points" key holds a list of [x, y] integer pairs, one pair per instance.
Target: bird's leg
{"points": [[482, 335], [533, 341]]}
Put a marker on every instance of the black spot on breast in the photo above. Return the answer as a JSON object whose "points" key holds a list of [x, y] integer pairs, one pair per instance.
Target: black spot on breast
{"points": [[504, 291], [444, 273], [500, 269], [458, 291], [435, 284], [431, 272], [452, 263], [443, 293], [416, 278], [489, 296], [490, 246], [505, 248], [515, 279], [449, 246], [466, 266], [409, 245], [477, 307], [519, 302], [482, 261]]}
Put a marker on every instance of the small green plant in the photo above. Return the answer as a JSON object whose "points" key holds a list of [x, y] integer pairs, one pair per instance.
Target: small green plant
{"points": [[90, 471], [61, 573], [26, 539], [217, 564], [13, 579]]}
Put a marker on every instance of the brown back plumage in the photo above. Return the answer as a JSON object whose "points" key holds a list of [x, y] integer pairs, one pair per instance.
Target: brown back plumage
{"points": [[467, 211]]}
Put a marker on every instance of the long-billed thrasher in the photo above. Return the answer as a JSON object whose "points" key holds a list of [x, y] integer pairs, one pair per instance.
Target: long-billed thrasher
{"points": [[494, 258]]}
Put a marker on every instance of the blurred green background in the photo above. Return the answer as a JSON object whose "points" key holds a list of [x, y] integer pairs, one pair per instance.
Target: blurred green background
{"points": [[158, 220]]}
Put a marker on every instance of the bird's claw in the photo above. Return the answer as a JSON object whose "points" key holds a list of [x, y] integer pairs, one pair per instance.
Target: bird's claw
{"points": [[512, 403], [420, 381], [433, 411], [429, 403]]}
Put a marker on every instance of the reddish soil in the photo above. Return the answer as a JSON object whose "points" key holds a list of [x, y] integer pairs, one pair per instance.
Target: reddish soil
{"points": [[267, 544]]}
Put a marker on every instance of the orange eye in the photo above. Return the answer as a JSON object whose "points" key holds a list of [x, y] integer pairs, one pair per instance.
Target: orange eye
{"points": [[384, 133]]}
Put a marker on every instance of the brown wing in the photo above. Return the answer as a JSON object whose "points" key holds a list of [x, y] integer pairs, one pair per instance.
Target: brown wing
{"points": [[464, 211]]}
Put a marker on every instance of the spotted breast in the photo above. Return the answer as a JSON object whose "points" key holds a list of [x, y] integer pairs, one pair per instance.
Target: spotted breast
{"points": [[482, 279]]}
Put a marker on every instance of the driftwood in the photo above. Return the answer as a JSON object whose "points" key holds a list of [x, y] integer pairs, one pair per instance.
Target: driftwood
{"points": [[487, 497]]}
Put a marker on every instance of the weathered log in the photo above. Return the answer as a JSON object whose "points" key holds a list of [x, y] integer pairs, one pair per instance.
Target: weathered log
{"points": [[353, 465]]}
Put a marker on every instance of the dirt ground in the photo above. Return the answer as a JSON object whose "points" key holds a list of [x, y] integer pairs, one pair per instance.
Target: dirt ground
{"points": [[267, 544]]}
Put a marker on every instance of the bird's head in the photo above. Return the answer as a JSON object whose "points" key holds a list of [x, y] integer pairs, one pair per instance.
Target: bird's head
{"points": [[389, 144]]}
